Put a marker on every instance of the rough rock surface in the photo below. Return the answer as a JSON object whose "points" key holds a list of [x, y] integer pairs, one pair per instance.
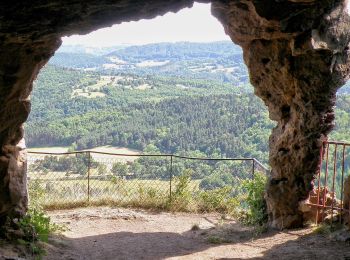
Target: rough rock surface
{"points": [[296, 52], [297, 55]]}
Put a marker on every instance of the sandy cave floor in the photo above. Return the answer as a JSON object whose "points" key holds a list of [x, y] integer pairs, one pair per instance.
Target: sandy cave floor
{"points": [[115, 233]]}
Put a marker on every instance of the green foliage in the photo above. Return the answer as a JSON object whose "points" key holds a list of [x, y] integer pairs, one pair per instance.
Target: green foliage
{"points": [[36, 193], [214, 240], [118, 181], [181, 197], [196, 185], [36, 220], [219, 200], [197, 104], [217, 240], [36, 225], [254, 199], [323, 229], [120, 169], [164, 118], [150, 197], [77, 164], [71, 164], [182, 183]]}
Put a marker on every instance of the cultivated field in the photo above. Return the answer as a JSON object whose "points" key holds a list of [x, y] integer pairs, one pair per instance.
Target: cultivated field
{"points": [[104, 149]]}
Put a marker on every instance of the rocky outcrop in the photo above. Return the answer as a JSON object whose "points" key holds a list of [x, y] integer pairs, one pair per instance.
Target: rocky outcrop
{"points": [[19, 64], [296, 52], [297, 56]]}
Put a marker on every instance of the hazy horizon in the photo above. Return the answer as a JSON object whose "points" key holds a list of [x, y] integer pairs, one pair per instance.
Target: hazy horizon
{"points": [[131, 44]]}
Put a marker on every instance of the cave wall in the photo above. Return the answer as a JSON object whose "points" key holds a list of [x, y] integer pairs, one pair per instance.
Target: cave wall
{"points": [[296, 52]]}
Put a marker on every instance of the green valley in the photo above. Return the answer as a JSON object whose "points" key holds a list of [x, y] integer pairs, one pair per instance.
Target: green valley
{"points": [[171, 98]]}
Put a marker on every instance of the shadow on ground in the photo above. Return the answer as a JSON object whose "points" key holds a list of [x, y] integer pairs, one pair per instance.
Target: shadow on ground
{"points": [[233, 242]]}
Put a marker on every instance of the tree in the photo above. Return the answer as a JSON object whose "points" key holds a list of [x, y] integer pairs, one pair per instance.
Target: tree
{"points": [[120, 169]]}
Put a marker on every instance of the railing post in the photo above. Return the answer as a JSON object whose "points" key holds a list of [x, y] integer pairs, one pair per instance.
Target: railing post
{"points": [[319, 181], [342, 185], [253, 170], [333, 180], [325, 183], [171, 177], [89, 167]]}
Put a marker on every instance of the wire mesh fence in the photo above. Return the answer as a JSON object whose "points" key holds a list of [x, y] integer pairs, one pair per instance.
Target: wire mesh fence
{"points": [[144, 180]]}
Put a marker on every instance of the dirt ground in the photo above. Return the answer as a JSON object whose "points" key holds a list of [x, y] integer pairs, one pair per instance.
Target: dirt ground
{"points": [[114, 233]]}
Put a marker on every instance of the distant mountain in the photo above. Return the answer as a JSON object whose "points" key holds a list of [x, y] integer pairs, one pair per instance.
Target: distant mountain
{"points": [[78, 60], [220, 61], [179, 51], [89, 49]]}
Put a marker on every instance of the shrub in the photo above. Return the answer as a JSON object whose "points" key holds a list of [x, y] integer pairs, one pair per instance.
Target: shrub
{"points": [[36, 193], [181, 197], [219, 200], [149, 197], [256, 213], [36, 225], [38, 222]]}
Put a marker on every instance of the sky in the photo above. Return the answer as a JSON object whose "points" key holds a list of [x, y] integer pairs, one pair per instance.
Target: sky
{"points": [[194, 24]]}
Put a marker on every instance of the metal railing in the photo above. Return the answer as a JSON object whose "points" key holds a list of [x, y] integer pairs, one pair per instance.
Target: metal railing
{"points": [[330, 197], [135, 179]]}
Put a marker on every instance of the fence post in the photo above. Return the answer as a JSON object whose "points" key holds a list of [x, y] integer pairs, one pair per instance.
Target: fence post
{"points": [[342, 185], [253, 170], [171, 177], [89, 167]]}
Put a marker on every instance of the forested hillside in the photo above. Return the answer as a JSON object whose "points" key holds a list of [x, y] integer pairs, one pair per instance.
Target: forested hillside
{"points": [[173, 114], [175, 98]]}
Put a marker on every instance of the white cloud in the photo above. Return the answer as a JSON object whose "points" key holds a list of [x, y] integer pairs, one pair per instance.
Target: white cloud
{"points": [[195, 24]]}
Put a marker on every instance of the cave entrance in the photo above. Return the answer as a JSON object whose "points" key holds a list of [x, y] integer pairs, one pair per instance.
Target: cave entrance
{"points": [[136, 108], [296, 53]]}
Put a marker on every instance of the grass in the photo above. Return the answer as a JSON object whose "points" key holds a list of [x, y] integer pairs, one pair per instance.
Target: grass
{"points": [[122, 190], [55, 149], [217, 240], [150, 194], [326, 228], [322, 229], [153, 205], [185, 196]]}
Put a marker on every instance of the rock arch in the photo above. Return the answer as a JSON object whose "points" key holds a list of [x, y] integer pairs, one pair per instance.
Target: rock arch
{"points": [[297, 52]]}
